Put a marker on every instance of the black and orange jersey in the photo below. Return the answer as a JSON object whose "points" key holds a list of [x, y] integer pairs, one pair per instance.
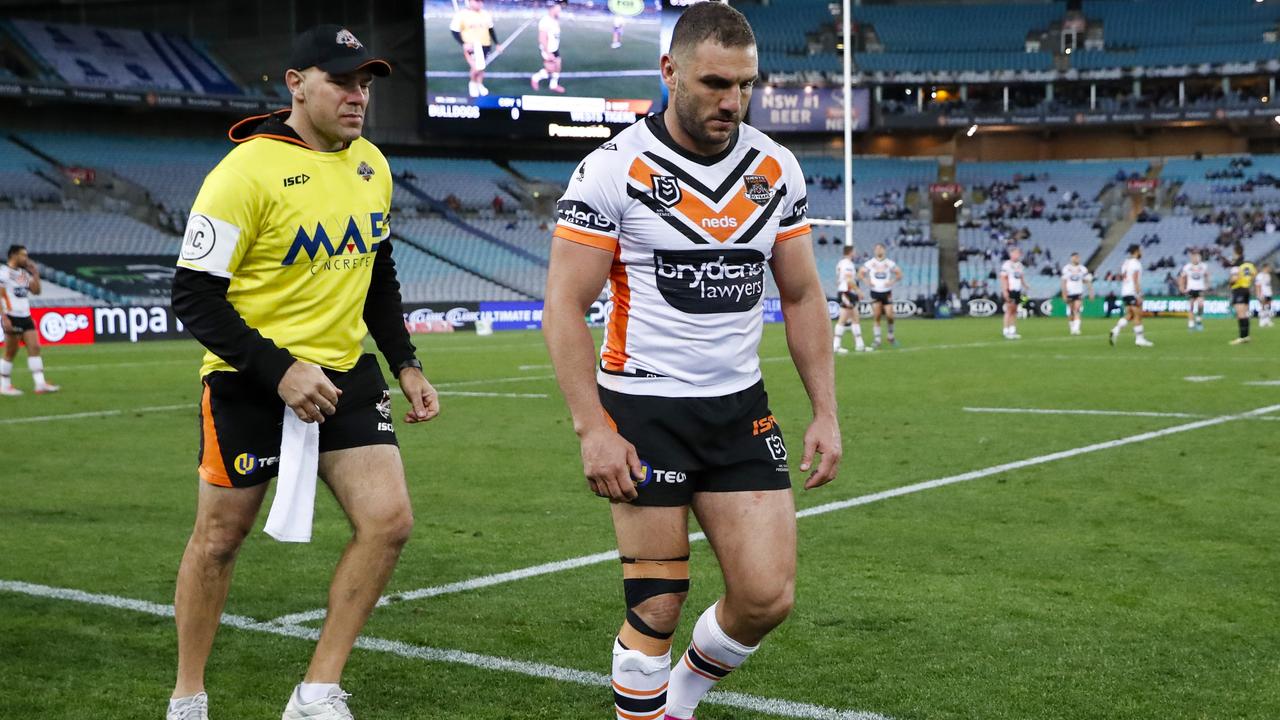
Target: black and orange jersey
{"points": [[691, 237]]}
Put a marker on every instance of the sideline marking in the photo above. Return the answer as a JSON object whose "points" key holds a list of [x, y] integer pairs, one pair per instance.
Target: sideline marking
{"points": [[97, 413]]}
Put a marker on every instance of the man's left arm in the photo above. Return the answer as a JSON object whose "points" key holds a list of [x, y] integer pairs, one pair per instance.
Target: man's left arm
{"points": [[804, 310], [34, 286], [384, 316]]}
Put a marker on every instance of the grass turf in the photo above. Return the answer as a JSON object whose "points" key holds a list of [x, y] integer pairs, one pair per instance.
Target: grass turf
{"points": [[1133, 582]]}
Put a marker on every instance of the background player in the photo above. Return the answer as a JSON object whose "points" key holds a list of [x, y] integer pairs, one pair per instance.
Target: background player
{"points": [[472, 27], [19, 279], [549, 46], [1075, 277], [1131, 295], [1241, 283], [1011, 288], [1266, 314], [694, 411], [881, 274], [618, 23], [850, 296], [1193, 281]]}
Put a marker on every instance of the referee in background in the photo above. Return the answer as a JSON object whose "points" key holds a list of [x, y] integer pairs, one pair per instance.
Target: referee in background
{"points": [[285, 267]]}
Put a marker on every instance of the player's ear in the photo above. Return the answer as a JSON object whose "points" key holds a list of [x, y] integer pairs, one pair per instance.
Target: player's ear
{"points": [[295, 81], [667, 65]]}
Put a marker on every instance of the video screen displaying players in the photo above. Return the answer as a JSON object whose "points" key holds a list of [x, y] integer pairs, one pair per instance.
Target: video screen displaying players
{"points": [[568, 68]]}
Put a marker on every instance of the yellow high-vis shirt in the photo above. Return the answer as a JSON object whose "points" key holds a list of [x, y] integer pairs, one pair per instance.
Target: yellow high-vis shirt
{"points": [[1242, 276], [295, 230], [473, 26]]}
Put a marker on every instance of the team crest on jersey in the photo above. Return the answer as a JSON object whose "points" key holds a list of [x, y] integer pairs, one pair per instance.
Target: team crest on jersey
{"points": [[345, 37], [666, 190], [757, 190], [364, 171]]}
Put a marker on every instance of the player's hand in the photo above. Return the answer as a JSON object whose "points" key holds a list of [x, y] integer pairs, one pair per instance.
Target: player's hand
{"points": [[308, 392], [611, 465], [822, 438], [6, 324], [424, 398]]}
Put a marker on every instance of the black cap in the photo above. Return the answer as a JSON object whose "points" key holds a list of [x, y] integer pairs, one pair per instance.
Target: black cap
{"points": [[334, 49]]}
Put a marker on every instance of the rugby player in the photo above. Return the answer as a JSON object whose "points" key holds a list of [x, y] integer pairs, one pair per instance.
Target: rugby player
{"points": [[1241, 281], [472, 27], [1266, 315], [1193, 281], [1011, 288], [681, 213], [549, 46], [882, 274], [1131, 295], [618, 23], [285, 265], [847, 287], [1075, 277], [20, 279]]}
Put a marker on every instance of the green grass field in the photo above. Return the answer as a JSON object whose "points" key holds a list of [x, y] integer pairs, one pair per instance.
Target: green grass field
{"points": [[584, 47], [1124, 582]]}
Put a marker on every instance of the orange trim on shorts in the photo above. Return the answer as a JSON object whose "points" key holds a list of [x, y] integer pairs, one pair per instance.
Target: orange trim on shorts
{"points": [[794, 232], [613, 424], [212, 469], [596, 240]]}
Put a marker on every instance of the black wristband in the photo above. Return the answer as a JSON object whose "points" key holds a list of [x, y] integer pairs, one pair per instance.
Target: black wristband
{"points": [[410, 363]]}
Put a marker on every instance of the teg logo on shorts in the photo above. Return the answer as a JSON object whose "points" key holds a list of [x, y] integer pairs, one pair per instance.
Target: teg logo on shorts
{"points": [[703, 282]]}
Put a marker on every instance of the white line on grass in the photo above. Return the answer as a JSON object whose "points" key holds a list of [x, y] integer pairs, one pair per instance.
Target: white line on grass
{"points": [[587, 560], [464, 393], [1114, 413], [1202, 378], [1264, 383], [492, 381], [96, 413], [771, 706]]}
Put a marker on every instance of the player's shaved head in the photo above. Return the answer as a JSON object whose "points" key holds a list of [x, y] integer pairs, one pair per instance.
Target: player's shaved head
{"points": [[710, 21], [15, 249], [848, 250]]}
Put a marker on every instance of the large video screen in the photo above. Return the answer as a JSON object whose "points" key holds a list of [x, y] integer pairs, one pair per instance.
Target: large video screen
{"points": [[531, 68]]}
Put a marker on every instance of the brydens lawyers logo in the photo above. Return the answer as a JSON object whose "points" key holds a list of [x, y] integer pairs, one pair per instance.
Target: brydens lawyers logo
{"points": [[365, 171], [345, 37]]}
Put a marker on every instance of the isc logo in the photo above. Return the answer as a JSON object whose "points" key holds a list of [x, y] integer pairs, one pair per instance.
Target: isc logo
{"points": [[296, 180], [763, 425], [719, 222]]}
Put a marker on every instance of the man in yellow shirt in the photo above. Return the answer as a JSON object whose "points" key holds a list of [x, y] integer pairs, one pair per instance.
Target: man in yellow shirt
{"points": [[1242, 274], [472, 27], [285, 266]]}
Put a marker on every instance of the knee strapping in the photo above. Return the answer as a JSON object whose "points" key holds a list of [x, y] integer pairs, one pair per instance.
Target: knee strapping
{"points": [[642, 580]]}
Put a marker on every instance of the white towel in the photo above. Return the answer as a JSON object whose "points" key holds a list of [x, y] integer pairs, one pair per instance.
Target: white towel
{"points": [[295, 502]]}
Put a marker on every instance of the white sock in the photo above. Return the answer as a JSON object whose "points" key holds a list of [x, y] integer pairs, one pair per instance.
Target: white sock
{"points": [[540, 75], [876, 334], [1119, 325], [1191, 320], [711, 655], [1007, 330], [311, 692], [6, 374], [1013, 330], [639, 682], [36, 366], [857, 336], [1137, 331], [555, 79]]}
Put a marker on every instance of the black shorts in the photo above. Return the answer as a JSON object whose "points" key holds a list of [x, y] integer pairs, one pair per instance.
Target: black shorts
{"points": [[1073, 298], [1015, 297], [21, 324], [240, 423], [1195, 294], [847, 300], [730, 443], [884, 298], [1129, 300], [1240, 296]]}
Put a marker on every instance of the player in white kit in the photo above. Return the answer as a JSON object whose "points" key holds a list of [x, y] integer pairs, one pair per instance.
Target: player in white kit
{"points": [[549, 46], [1193, 281], [1011, 288], [1131, 293], [1075, 278], [1262, 286], [19, 279], [882, 274], [847, 288]]}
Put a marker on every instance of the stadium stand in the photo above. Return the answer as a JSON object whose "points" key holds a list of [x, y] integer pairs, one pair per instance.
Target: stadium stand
{"points": [[19, 180]]}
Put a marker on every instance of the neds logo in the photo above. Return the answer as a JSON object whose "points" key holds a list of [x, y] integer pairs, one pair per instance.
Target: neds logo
{"points": [[583, 215], [720, 222]]}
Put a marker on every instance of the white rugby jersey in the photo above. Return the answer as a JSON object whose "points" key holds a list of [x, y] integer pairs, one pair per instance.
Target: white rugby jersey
{"points": [[1131, 272], [880, 274], [1197, 276], [1075, 275], [1264, 283], [690, 237], [551, 27], [15, 290], [1013, 271], [846, 275]]}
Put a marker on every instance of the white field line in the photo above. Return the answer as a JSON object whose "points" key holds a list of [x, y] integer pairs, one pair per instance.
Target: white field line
{"points": [[97, 413], [1264, 383], [492, 381], [586, 560], [1202, 378], [952, 346], [502, 46], [770, 706], [534, 367], [464, 393], [1113, 413]]}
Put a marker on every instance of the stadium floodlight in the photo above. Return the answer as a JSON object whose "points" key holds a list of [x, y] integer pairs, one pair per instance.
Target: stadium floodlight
{"points": [[957, 203], [846, 37], [973, 130], [1277, 119]]}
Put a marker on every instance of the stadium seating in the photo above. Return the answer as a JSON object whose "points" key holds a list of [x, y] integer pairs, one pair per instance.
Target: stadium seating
{"points": [[18, 179], [473, 182], [873, 178], [98, 233]]}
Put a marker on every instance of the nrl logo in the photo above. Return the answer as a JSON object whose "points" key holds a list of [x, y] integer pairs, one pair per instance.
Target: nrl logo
{"points": [[364, 171], [345, 37], [666, 190], [756, 188]]}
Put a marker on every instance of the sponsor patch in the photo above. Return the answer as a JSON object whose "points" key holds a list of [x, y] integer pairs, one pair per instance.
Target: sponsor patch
{"points": [[666, 190], [757, 190], [704, 282]]}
